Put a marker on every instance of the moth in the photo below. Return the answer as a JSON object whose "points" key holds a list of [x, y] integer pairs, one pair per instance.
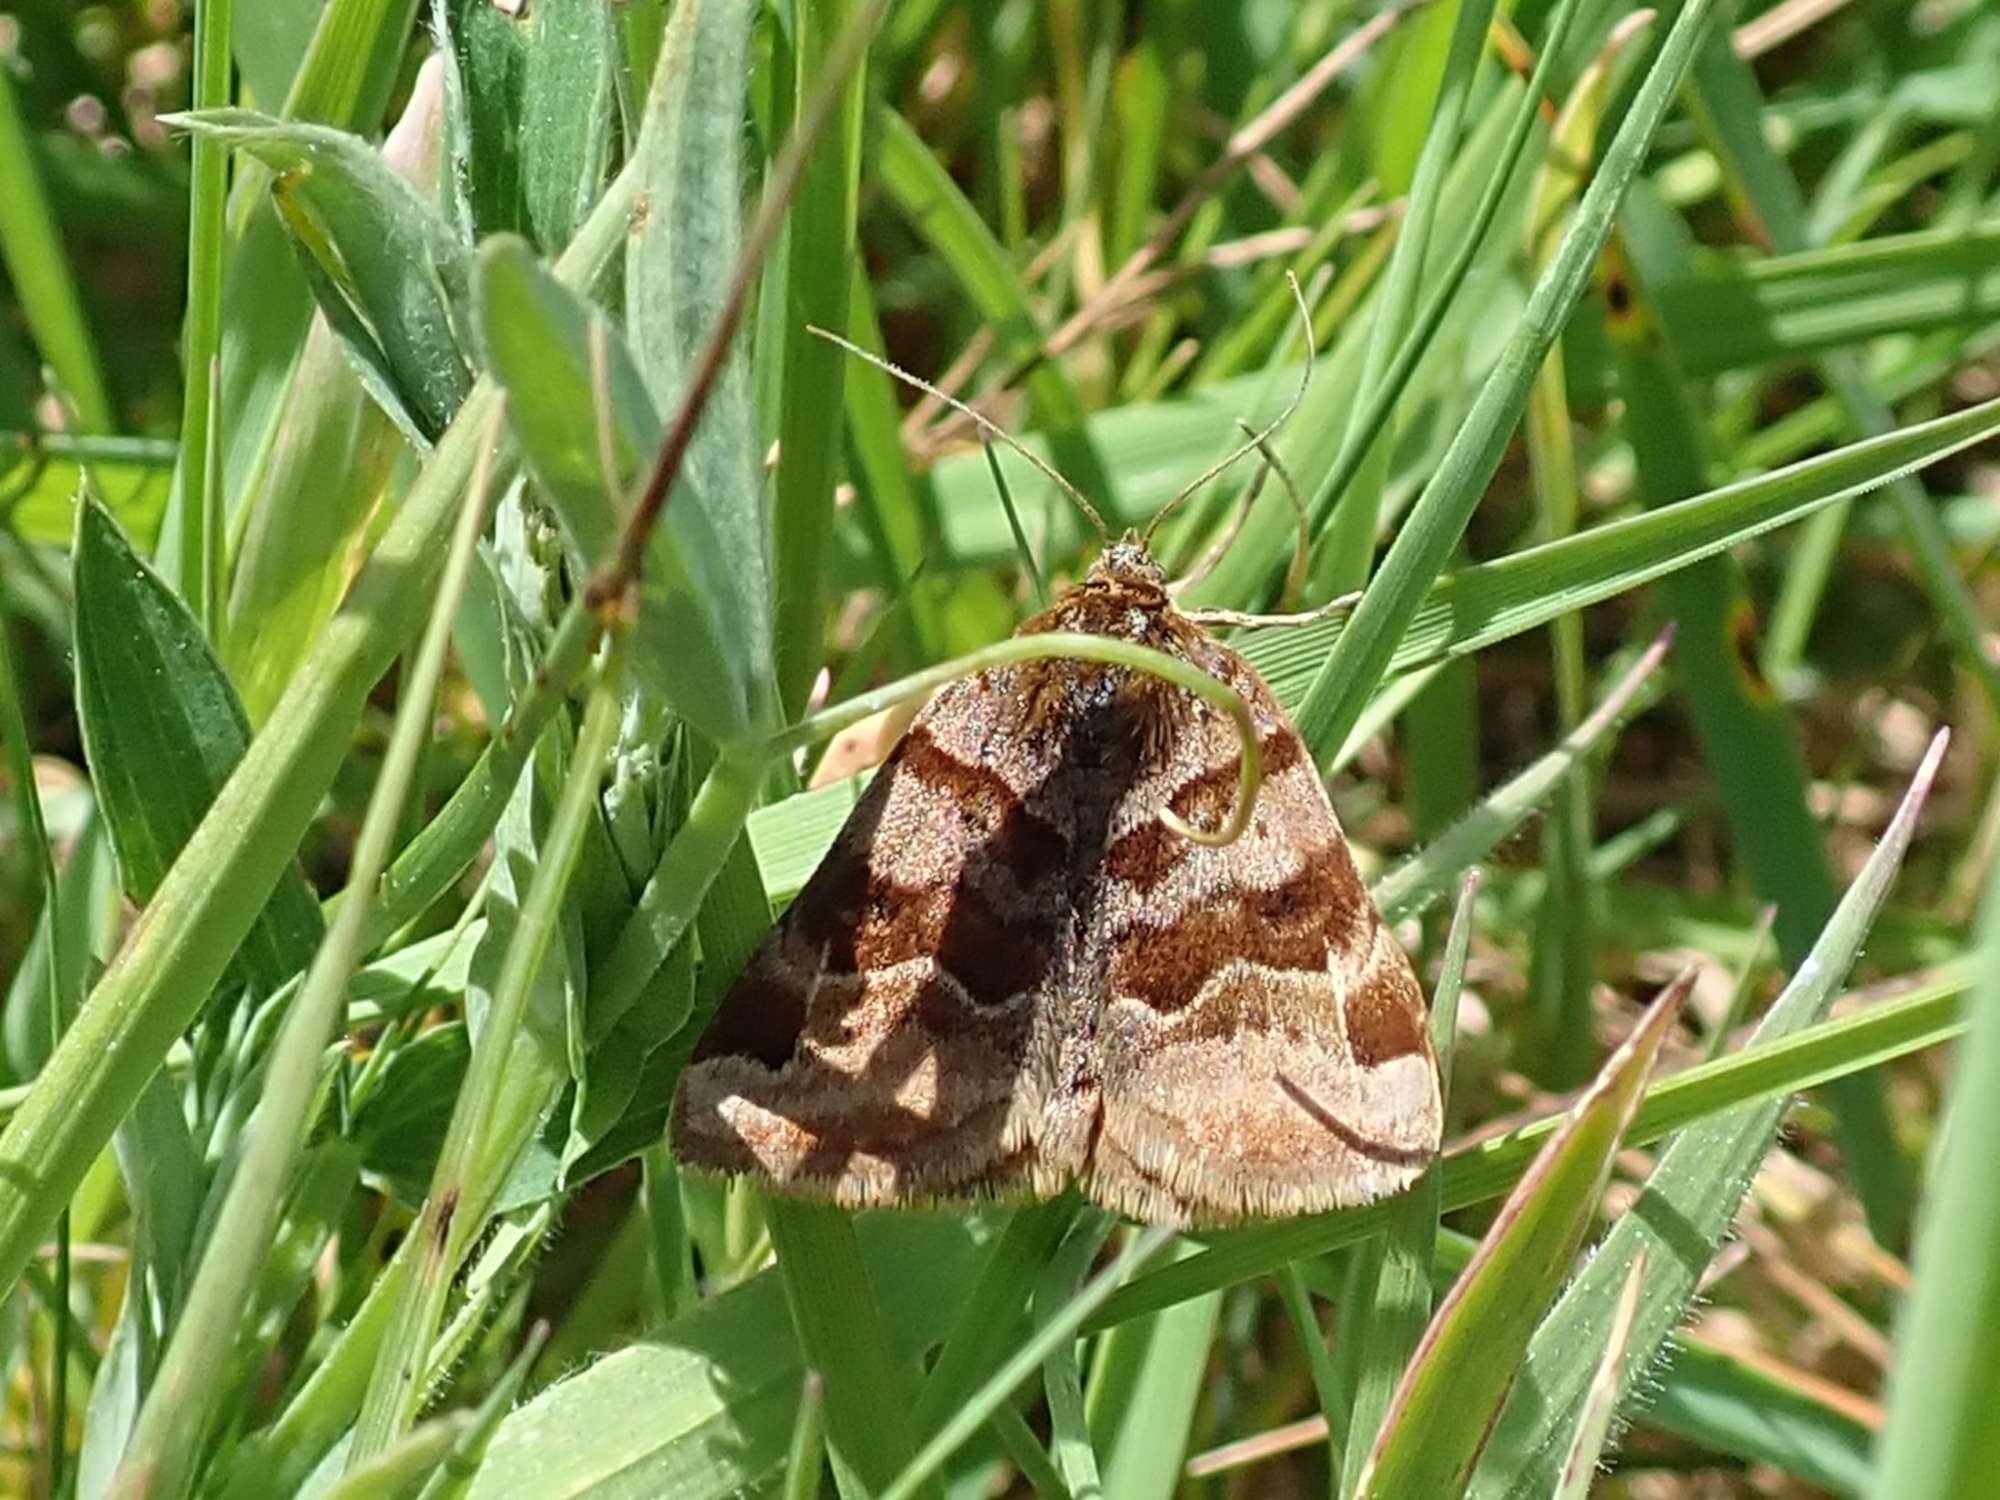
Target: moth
{"points": [[1012, 973]]}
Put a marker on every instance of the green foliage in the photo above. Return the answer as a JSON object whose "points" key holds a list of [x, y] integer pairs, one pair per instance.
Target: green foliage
{"points": [[419, 954]]}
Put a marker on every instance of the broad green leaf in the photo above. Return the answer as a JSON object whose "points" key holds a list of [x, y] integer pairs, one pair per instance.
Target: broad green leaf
{"points": [[400, 1124], [387, 271], [1727, 315], [1442, 1411], [163, 730], [1684, 1213], [482, 51], [678, 265], [565, 115], [704, 1407], [537, 338]]}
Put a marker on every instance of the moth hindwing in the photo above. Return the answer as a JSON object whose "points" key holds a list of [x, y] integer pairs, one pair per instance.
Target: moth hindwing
{"points": [[1009, 973]]}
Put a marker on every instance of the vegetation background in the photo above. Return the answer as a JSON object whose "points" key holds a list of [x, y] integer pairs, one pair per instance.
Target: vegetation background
{"points": [[369, 884]]}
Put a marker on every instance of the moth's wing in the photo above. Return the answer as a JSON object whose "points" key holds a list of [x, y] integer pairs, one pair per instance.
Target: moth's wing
{"points": [[1263, 1048], [878, 1047]]}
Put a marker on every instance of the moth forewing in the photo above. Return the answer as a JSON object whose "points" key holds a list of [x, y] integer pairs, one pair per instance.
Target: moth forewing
{"points": [[1011, 973]]}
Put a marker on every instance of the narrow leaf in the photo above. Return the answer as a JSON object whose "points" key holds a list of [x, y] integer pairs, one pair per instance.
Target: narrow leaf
{"points": [[387, 271], [163, 731]]}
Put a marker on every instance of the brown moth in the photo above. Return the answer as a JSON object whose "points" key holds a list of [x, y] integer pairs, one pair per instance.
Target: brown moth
{"points": [[1009, 974]]}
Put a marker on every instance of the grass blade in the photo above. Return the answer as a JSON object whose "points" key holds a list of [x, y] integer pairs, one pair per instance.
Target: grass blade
{"points": [[1594, 1422], [1446, 1402], [1342, 688], [1685, 1211], [1400, 1304], [1943, 1387], [159, 1459]]}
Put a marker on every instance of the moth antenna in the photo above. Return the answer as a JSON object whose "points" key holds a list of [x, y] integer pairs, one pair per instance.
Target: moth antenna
{"points": [[991, 429], [1295, 575], [1205, 564], [1258, 438]]}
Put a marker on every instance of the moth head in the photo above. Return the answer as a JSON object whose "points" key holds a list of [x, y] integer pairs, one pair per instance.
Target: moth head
{"points": [[1128, 560]]}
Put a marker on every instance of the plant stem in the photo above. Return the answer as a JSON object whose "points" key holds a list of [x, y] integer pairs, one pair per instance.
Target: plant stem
{"points": [[453, 1208], [200, 491]]}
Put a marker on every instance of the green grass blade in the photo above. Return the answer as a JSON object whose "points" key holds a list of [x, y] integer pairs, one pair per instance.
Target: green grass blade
{"points": [[1747, 738], [31, 247], [1560, 976], [1356, 511], [925, 194], [402, 1468], [805, 1454], [564, 368], [1712, 1398], [1686, 1209], [159, 1459], [1022, 1363], [477, 1154], [1594, 1421], [1745, 314], [201, 514], [1424, 876], [1071, 1451], [1400, 1304], [1145, 1382], [813, 372], [1460, 1373], [1943, 1387], [1418, 554], [992, 1308], [840, 1331]]}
